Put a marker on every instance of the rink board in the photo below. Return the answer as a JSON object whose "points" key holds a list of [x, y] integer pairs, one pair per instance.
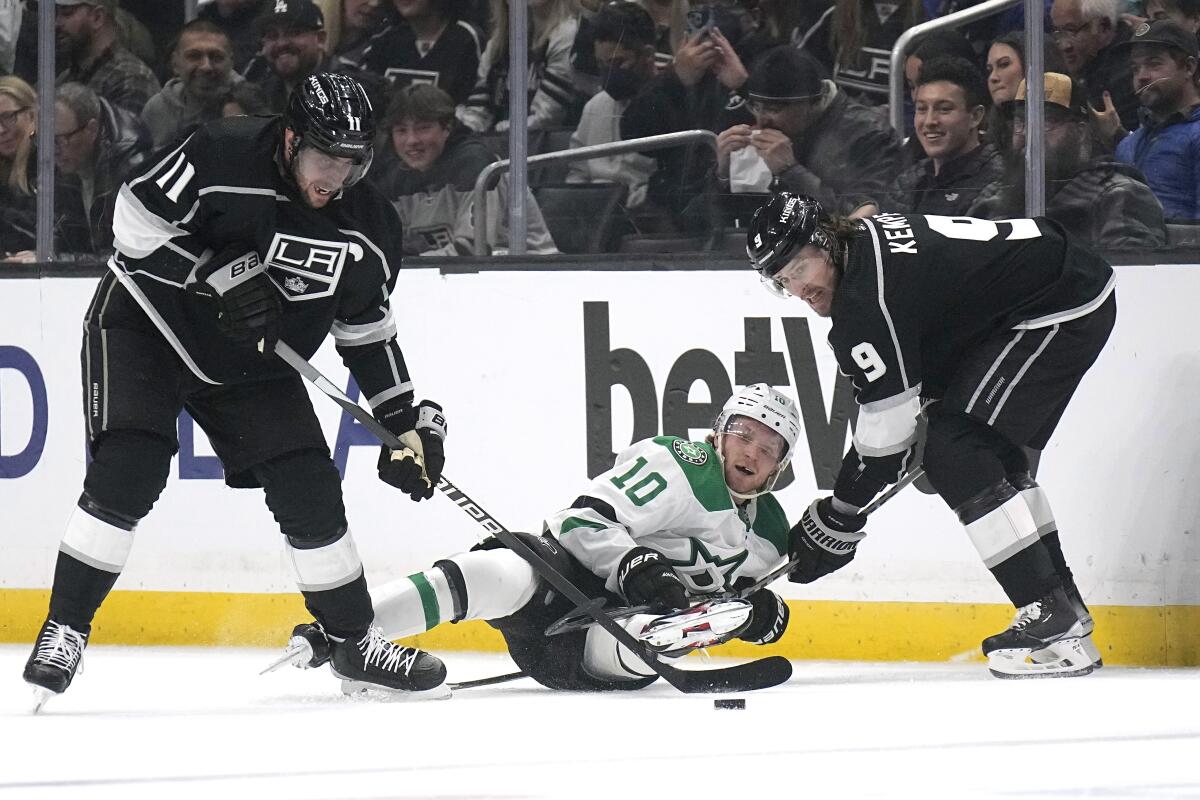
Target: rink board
{"points": [[543, 375]]}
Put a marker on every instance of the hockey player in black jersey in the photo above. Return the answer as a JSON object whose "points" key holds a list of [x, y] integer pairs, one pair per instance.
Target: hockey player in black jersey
{"points": [[253, 229], [997, 322]]}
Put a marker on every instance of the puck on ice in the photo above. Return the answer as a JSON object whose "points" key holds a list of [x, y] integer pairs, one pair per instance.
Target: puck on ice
{"points": [[730, 702]]}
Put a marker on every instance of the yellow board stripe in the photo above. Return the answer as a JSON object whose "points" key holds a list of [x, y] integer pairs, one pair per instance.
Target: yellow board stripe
{"points": [[824, 629]]}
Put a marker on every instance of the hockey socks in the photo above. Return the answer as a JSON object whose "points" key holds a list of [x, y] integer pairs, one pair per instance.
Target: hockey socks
{"points": [[482, 584], [93, 552]]}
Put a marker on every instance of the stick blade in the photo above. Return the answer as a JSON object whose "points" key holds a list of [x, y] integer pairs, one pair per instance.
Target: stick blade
{"points": [[761, 674]]}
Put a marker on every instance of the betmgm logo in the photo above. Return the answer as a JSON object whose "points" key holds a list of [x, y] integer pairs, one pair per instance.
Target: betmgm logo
{"points": [[315, 265]]}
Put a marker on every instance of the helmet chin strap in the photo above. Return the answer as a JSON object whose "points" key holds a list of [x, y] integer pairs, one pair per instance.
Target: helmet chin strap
{"points": [[767, 485]]}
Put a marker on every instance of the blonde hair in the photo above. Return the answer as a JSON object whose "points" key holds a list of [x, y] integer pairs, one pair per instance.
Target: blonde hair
{"points": [[678, 24], [16, 173], [553, 15]]}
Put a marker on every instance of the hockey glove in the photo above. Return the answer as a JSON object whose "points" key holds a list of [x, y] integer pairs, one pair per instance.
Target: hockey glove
{"points": [[645, 577], [415, 468], [769, 619], [248, 303], [824, 540]]}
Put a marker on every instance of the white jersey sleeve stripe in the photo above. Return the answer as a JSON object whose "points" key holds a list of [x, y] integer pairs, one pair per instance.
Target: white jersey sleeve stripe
{"points": [[137, 231], [888, 431]]}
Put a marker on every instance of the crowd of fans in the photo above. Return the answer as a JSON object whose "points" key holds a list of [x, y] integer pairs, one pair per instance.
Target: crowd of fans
{"points": [[795, 93]]}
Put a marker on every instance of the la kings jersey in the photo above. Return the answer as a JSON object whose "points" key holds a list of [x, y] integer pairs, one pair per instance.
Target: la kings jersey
{"points": [[669, 494], [335, 268], [919, 292]]}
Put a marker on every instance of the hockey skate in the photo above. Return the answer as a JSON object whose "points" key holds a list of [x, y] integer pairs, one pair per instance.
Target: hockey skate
{"points": [[309, 647], [703, 625], [1051, 653], [57, 654], [1049, 623], [372, 666]]}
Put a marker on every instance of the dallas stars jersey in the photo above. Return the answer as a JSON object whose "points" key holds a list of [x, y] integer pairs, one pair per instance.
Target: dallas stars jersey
{"points": [[334, 267], [919, 291], [669, 494]]}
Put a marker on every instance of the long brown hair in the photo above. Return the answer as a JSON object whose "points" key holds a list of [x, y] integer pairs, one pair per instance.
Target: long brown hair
{"points": [[16, 173], [848, 30]]}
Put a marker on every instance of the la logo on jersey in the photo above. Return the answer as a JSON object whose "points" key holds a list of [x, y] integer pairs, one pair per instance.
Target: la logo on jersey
{"points": [[308, 269]]}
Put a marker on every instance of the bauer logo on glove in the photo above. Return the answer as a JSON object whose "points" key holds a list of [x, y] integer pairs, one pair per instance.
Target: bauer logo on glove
{"points": [[416, 466]]}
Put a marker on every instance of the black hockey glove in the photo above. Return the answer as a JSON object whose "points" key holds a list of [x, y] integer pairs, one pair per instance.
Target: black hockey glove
{"points": [[769, 619], [824, 540], [645, 577], [415, 468], [248, 305]]}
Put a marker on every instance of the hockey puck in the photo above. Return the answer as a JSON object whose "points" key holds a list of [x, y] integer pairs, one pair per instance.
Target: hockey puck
{"points": [[730, 702]]}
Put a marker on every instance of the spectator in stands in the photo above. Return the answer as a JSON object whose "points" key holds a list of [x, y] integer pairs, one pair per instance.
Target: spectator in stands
{"points": [[101, 144], [202, 60], [699, 92], [87, 38], [1105, 203], [350, 24], [244, 98], [236, 18], [430, 172], [11, 14], [1185, 12], [951, 101], [18, 181], [1166, 148], [812, 137], [293, 37], [553, 98], [623, 44], [1087, 32], [430, 42], [939, 44], [864, 32], [804, 25]]}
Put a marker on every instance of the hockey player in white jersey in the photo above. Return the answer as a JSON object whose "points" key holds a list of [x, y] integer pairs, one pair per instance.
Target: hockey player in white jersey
{"points": [[673, 523]]}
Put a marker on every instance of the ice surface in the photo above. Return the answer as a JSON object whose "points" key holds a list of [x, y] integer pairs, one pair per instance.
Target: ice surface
{"points": [[190, 723]]}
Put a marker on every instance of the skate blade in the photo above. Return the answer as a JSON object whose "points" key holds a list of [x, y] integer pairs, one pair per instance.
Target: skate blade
{"points": [[1089, 650], [40, 695], [373, 692], [1071, 662], [298, 653]]}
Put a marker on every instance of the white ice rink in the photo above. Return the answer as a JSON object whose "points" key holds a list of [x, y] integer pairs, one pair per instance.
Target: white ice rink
{"points": [[201, 723]]}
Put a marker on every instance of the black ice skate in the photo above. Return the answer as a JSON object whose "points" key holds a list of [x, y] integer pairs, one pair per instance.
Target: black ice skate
{"points": [[371, 664], [1051, 622], [1052, 653], [309, 647], [56, 656]]}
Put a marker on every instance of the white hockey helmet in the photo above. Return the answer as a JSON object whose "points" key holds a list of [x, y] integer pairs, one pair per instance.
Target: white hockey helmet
{"points": [[772, 408]]}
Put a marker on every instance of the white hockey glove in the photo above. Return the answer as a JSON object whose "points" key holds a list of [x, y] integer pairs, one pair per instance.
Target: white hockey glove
{"points": [[415, 468]]}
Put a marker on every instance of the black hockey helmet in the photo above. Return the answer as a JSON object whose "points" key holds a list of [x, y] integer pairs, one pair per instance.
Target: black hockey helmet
{"points": [[332, 114], [782, 226]]}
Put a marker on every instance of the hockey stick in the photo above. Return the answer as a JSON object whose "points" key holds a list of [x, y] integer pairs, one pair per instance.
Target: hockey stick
{"points": [[760, 674]]}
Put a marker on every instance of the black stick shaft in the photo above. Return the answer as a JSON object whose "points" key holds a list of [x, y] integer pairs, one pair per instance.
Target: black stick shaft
{"points": [[512, 542]]}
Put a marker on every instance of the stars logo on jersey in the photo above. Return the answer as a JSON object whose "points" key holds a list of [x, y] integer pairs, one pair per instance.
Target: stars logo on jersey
{"points": [[704, 573], [690, 452]]}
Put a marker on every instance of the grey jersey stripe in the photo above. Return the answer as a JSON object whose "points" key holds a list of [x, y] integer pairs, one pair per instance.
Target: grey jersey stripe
{"points": [[992, 370]]}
